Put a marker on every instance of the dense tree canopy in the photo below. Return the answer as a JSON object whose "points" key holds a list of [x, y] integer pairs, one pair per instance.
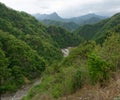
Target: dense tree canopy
{"points": [[18, 60], [100, 30]]}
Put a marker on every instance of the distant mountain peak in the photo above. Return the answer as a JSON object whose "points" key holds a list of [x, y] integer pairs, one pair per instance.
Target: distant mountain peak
{"points": [[52, 16], [91, 14], [54, 13]]}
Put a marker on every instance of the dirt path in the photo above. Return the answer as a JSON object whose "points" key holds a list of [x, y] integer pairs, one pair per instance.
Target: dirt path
{"points": [[20, 93]]}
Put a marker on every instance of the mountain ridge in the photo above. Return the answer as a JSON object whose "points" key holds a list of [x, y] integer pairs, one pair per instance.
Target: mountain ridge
{"points": [[55, 19], [52, 16], [57, 15]]}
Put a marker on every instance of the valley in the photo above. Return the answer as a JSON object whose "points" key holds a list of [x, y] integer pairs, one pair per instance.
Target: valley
{"points": [[47, 57]]}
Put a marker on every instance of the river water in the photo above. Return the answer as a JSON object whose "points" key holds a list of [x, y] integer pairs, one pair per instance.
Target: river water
{"points": [[66, 51]]}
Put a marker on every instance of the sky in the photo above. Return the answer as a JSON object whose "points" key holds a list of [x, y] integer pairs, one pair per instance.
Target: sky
{"points": [[65, 8]]}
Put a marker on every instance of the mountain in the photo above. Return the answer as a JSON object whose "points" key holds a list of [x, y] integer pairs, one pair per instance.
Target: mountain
{"points": [[100, 29], [68, 23], [63, 37], [53, 16], [70, 26], [26, 28], [86, 19], [25, 49]]}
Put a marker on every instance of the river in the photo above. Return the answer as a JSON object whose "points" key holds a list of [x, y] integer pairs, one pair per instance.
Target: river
{"points": [[66, 51]]}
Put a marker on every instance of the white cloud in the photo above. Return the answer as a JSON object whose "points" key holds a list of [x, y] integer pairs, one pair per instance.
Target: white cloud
{"points": [[66, 8]]}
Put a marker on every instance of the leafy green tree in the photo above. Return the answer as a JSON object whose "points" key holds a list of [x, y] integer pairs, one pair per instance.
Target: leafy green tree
{"points": [[99, 70], [110, 50], [4, 70], [17, 61]]}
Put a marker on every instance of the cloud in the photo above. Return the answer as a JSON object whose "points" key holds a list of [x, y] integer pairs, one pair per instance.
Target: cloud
{"points": [[66, 8], [102, 7]]}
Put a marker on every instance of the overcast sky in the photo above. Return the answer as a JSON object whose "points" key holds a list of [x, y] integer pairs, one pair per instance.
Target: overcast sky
{"points": [[66, 8]]}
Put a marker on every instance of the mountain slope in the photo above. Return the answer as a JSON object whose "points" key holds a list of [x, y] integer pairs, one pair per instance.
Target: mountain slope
{"points": [[54, 16], [68, 23], [27, 28], [17, 63], [70, 26], [89, 68], [86, 19], [100, 29], [63, 37], [27, 47], [78, 20], [88, 31]]}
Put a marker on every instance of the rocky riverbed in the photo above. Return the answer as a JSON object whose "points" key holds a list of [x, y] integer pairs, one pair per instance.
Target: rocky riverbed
{"points": [[66, 51]]}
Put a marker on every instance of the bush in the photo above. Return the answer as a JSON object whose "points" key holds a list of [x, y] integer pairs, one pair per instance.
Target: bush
{"points": [[77, 80], [99, 70]]}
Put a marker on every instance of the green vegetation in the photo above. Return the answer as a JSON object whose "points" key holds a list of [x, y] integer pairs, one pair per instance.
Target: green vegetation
{"points": [[88, 31], [28, 50], [89, 63], [71, 26], [99, 70], [28, 29], [18, 61], [63, 37], [27, 47], [100, 30]]}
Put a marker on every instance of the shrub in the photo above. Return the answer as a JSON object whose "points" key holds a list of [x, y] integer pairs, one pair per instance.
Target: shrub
{"points": [[99, 70], [77, 80]]}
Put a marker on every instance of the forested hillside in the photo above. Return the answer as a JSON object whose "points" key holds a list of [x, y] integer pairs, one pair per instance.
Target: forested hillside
{"points": [[63, 37], [101, 29], [91, 69], [17, 62], [70, 26], [28, 29], [27, 48]]}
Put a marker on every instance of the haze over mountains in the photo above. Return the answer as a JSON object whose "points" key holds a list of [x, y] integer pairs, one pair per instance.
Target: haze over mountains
{"points": [[69, 23]]}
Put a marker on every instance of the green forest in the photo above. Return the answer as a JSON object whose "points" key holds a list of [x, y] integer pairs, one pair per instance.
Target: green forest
{"points": [[30, 50]]}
